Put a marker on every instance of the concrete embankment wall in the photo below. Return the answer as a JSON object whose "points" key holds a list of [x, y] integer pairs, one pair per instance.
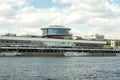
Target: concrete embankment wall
{"points": [[102, 54], [40, 54]]}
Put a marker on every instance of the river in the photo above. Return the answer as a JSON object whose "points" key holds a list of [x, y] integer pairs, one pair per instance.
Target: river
{"points": [[59, 68]]}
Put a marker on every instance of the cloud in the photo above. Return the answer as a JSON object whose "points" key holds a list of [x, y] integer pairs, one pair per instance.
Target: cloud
{"points": [[14, 2], [99, 16]]}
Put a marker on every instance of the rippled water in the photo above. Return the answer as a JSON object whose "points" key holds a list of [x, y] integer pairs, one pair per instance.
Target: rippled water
{"points": [[59, 68]]}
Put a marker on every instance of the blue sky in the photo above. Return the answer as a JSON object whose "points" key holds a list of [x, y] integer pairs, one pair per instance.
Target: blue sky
{"points": [[84, 17], [114, 1], [48, 4]]}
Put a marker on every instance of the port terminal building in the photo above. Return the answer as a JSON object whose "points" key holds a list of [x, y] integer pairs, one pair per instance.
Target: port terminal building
{"points": [[7, 41], [55, 39], [52, 36]]}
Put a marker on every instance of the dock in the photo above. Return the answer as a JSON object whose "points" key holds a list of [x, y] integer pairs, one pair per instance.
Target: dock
{"points": [[35, 51]]}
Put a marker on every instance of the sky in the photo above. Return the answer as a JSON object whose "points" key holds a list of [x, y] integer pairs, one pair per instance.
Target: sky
{"points": [[84, 17]]}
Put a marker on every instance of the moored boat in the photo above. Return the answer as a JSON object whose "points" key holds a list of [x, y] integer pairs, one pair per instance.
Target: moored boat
{"points": [[75, 54], [10, 54]]}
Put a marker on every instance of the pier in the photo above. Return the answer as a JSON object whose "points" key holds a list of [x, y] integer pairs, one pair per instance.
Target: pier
{"points": [[34, 51]]}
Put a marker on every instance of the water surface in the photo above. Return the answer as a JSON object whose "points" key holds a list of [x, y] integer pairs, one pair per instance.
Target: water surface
{"points": [[59, 68]]}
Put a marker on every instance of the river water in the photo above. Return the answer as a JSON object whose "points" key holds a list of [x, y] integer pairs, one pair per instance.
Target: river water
{"points": [[59, 68]]}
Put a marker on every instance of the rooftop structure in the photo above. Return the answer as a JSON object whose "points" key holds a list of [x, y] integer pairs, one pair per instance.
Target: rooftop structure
{"points": [[56, 31]]}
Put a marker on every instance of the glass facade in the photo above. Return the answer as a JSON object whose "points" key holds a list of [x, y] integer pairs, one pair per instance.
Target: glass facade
{"points": [[56, 31]]}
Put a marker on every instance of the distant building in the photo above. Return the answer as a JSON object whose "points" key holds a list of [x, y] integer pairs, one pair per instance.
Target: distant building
{"points": [[94, 37], [56, 31], [115, 43], [9, 34]]}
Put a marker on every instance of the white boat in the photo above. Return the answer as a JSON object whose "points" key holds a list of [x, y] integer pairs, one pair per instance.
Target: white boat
{"points": [[10, 54], [75, 54]]}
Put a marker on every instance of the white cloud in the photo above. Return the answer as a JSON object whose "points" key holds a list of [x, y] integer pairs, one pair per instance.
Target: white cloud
{"points": [[14, 2], [99, 15], [7, 11]]}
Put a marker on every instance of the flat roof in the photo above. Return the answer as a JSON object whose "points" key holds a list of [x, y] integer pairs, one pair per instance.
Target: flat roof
{"points": [[50, 40], [55, 27]]}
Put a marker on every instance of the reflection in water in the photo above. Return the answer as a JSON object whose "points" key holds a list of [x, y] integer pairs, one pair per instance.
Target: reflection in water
{"points": [[59, 68]]}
